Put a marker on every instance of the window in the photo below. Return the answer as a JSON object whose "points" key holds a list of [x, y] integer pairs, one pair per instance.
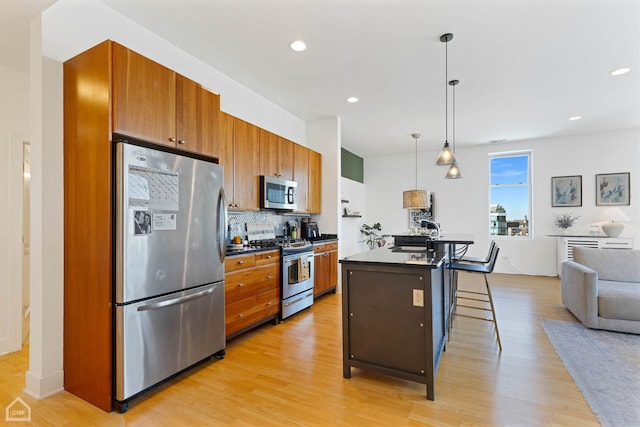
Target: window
{"points": [[510, 193]]}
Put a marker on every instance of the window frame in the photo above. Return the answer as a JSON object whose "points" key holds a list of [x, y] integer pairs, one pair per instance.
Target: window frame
{"points": [[529, 184]]}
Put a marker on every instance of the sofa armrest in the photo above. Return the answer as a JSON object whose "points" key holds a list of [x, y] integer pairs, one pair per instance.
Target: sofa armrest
{"points": [[580, 292]]}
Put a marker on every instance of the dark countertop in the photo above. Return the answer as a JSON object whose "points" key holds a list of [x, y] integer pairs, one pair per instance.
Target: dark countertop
{"points": [[324, 238], [399, 255], [244, 251]]}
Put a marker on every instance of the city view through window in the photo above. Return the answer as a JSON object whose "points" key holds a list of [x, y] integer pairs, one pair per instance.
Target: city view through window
{"points": [[510, 209]]}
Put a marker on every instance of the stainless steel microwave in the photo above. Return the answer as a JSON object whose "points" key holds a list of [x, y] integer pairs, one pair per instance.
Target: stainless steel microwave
{"points": [[278, 193]]}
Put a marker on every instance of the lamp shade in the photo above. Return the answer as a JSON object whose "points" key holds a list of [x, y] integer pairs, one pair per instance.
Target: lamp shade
{"points": [[415, 199], [453, 172], [446, 156], [613, 228], [614, 214]]}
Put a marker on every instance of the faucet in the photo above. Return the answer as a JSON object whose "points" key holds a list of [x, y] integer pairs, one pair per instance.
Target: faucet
{"points": [[428, 224]]}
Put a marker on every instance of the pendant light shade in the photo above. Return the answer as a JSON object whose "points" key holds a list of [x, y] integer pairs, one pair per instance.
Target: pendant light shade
{"points": [[454, 170], [446, 156], [415, 199]]}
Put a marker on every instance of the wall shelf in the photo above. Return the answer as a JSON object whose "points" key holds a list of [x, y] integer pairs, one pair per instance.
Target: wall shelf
{"points": [[351, 216]]}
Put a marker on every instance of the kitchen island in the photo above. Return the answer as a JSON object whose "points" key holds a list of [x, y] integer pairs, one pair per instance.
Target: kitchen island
{"points": [[394, 312]]}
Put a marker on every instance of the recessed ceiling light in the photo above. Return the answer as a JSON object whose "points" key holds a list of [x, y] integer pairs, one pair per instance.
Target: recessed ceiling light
{"points": [[575, 118], [620, 71], [352, 99], [298, 46]]}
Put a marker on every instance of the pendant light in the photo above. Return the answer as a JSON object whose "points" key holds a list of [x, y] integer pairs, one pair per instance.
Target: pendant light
{"points": [[446, 156], [415, 199], [454, 170]]}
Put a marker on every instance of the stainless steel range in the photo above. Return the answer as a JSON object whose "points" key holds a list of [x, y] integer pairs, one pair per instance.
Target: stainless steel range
{"points": [[297, 277], [297, 272]]}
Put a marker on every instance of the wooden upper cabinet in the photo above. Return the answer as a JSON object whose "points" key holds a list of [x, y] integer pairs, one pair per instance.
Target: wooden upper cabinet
{"points": [[269, 163], [276, 155], [197, 118], [226, 154], [301, 175], [314, 202], [144, 97], [246, 148], [285, 158], [155, 104]]}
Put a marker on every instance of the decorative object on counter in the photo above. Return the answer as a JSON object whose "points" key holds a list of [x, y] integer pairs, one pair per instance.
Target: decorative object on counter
{"points": [[454, 170], [612, 227], [447, 156], [565, 220], [415, 199], [612, 189], [566, 191], [293, 228], [372, 238]]}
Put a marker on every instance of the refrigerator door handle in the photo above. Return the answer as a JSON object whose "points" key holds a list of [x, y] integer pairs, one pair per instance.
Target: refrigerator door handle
{"points": [[174, 301], [222, 225]]}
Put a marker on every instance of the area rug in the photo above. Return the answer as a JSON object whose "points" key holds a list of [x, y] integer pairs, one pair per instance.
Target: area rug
{"points": [[604, 365]]}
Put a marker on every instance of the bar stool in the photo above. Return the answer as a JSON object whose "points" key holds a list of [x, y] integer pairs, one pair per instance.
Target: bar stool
{"points": [[483, 298], [480, 260]]}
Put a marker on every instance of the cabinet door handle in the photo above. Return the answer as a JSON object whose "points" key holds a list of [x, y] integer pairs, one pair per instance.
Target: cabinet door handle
{"points": [[241, 315], [269, 257], [182, 142], [241, 261], [173, 139], [269, 277], [241, 285]]}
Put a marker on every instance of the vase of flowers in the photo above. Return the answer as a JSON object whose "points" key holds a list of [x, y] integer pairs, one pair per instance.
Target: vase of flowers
{"points": [[565, 221]]}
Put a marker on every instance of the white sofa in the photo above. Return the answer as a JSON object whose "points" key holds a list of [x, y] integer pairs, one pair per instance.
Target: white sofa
{"points": [[601, 287]]}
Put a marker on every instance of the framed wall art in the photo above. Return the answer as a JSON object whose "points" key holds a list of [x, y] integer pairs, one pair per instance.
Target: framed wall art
{"points": [[566, 191], [612, 189]]}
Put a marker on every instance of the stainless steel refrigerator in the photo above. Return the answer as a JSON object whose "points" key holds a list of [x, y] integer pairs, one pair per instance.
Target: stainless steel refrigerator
{"points": [[170, 216]]}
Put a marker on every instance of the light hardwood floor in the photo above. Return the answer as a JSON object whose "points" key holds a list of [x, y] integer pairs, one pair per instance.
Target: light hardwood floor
{"points": [[291, 374]]}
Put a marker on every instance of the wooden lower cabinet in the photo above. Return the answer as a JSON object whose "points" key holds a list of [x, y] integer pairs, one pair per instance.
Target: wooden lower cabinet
{"points": [[325, 277], [252, 290]]}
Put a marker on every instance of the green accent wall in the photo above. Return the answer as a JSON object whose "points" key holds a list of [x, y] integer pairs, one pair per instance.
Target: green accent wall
{"points": [[352, 166]]}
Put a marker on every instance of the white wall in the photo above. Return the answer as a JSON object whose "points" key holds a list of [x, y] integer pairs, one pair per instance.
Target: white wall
{"points": [[350, 238], [14, 126], [461, 206]]}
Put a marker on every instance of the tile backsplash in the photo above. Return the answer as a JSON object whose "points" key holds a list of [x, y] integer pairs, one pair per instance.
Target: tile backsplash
{"points": [[237, 221]]}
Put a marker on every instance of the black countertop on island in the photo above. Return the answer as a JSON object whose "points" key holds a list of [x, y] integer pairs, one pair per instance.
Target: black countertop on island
{"points": [[399, 255]]}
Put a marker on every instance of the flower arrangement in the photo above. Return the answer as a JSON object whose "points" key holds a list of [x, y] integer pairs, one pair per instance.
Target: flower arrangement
{"points": [[565, 220]]}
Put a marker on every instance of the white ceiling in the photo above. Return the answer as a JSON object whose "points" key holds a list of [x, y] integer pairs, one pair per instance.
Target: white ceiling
{"points": [[525, 66]]}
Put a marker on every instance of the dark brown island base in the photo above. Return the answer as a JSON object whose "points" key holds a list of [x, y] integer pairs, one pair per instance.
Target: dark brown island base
{"points": [[395, 311]]}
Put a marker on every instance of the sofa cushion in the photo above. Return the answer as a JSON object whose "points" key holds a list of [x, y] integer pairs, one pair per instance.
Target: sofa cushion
{"points": [[621, 265], [619, 300]]}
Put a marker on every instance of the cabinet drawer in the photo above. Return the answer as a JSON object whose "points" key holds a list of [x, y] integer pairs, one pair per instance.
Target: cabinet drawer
{"points": [[331, 246], [247, 311], [244, 283], [239, 262], [267, 257], [318, 248], [613, 243]]}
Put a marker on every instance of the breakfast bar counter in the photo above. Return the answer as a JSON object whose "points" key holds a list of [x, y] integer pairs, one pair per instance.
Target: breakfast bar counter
{"points": [[394, 309]]}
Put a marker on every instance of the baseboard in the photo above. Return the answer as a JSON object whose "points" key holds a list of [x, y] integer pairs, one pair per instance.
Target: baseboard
{"points": [[43, 387]]}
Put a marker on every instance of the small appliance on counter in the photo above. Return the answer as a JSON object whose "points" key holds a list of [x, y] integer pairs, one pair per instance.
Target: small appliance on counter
{"points": [[309, 229]]}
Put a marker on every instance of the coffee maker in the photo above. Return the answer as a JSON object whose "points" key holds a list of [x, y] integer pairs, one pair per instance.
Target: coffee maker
{"points": [[310, 230]]}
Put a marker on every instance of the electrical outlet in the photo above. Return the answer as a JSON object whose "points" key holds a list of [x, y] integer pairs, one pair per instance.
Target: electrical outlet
{"points": [[418, 298]]}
